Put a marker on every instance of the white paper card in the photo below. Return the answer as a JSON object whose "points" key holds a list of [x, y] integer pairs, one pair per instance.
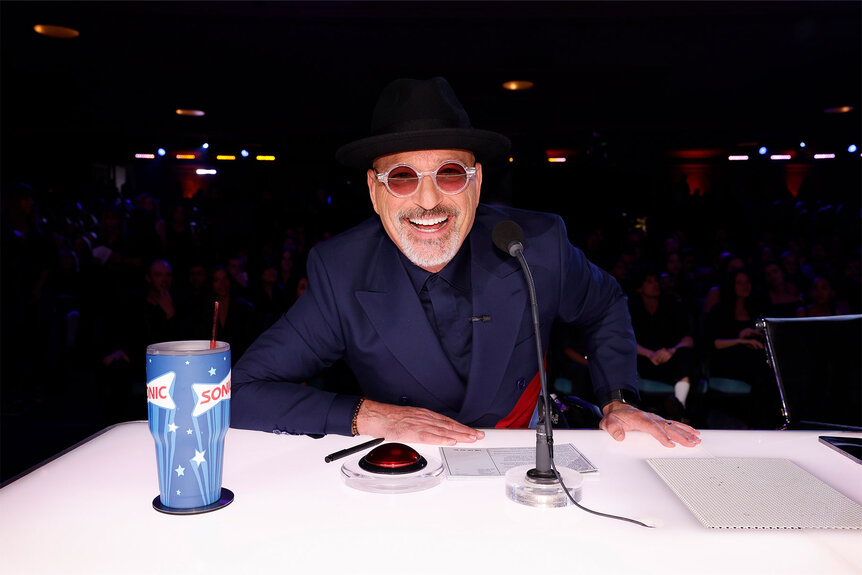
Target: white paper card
{"points": [[496, 461]]}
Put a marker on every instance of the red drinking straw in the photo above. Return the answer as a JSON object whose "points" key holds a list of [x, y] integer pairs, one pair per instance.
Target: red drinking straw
{"points": [[215, 326]]}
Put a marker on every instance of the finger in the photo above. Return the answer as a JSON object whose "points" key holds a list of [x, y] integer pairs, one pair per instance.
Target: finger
{"points": [[434, 438], [658, 431], [613, 426], [682, 433], [450, 425]]}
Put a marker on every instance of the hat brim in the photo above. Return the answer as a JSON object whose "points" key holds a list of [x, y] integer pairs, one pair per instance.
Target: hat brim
{"points": [[487, 146]]}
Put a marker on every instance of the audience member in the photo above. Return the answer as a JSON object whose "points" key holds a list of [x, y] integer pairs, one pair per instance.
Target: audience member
{"points": [[665, 346], [823, 302], [237, 323], [781, 298], [737, 346]]}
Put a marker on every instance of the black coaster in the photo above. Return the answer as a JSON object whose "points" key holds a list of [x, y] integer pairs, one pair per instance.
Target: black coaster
{"points": [[224, 500]]}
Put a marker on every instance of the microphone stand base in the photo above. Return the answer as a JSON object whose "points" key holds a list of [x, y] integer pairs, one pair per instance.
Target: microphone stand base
{"points": [[522, 489]]}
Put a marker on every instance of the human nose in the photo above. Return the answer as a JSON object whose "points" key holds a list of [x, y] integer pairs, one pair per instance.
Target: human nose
{"points": [[427, 195]]}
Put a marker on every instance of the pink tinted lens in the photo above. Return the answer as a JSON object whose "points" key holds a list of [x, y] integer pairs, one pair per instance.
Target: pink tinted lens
{"points": [[451, 177], [403, 180]]}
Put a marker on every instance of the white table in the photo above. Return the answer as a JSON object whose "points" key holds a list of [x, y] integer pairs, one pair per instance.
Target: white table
{"points": [[89, 511]]}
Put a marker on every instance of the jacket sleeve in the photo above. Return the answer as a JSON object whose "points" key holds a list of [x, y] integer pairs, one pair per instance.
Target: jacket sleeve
{"points": [[267, 392], [593, 301]]}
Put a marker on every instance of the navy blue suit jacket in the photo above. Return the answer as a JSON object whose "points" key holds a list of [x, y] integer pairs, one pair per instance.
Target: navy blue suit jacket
{"points": [[361, 306]]}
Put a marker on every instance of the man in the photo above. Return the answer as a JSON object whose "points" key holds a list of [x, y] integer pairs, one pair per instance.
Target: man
{"points": [[433, 320]]}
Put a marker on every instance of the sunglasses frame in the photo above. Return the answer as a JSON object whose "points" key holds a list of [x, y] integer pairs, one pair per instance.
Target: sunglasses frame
{"points": [[469, 171]]}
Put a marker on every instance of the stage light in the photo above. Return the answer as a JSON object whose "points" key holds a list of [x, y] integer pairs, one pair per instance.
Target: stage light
{"points": [[185, 156], [801, 144], [737, 158], [824, 156], [838, 110], [851, 148], [779, 157], [557, 160], [517, 85], [161, 151], [265, 158], [762, 151], [62, 32], [145, 156], [225, 157], [205, 146], [244, 153], [205, 172], [190, 112]]}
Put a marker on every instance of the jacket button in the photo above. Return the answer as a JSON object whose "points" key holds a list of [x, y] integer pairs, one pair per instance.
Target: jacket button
{"points": [[522, 384], [404, 400]]}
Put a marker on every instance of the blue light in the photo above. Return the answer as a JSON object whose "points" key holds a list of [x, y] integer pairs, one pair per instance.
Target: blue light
{"points": [[161, 151], [244, 153], [852, 148], [205, 146], [762, 151], [801, 144]]}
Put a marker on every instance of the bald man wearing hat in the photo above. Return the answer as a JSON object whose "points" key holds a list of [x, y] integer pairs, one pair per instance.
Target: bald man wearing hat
{"points": [[431, 317]]}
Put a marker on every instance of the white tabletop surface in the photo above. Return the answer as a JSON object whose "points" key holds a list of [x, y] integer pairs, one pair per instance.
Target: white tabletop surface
{"points": [[90, 511]]}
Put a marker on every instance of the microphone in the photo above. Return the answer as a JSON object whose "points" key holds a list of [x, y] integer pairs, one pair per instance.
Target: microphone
{"points": [[509, 238]]}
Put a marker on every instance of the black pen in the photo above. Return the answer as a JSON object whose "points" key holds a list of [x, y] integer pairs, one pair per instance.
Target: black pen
{"points": [[351, 450]]}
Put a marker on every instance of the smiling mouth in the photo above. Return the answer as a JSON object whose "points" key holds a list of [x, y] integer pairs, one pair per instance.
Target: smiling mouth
{"points": [[429, 224]]}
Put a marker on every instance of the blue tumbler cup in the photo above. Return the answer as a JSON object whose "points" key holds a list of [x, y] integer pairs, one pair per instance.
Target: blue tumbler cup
{"points": [[188, 407]]}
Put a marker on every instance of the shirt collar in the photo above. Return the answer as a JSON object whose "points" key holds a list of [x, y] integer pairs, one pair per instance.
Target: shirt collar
{"points": [[456, 273]]}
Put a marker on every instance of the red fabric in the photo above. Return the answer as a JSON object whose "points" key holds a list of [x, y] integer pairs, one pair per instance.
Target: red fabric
{"points": [[522, 413]]}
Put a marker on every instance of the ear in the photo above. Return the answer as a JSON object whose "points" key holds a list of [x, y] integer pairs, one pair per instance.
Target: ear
{"points": [[371, 176]]}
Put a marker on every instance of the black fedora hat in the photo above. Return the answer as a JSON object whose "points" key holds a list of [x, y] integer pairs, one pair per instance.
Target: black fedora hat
{"points": [[420, 115]]}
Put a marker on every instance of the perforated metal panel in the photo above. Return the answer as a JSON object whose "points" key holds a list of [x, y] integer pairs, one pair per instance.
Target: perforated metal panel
{"points": [[756, 493]]}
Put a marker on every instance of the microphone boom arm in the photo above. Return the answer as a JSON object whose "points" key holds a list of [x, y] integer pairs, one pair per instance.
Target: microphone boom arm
{"points": [[544, 434]]}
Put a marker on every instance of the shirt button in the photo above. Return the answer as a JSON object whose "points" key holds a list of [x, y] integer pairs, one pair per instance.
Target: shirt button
{"points": [[404, 400], [522, 384]]}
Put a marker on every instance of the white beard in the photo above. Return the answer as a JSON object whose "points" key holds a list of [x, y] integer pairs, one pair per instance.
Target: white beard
{"points": [[431, 252]]}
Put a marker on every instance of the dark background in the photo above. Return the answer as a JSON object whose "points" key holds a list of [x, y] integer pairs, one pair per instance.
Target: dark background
{"points": [[645, 99]]}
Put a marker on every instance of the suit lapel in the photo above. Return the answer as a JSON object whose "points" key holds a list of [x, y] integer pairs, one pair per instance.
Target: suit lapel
{"points": [[499, 290], [394, 310]]}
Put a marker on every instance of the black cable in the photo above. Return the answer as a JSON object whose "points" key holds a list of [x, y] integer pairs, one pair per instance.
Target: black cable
{"points": [[599, 513]]}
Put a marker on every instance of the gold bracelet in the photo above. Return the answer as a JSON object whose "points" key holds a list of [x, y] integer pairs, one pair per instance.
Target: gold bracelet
{"points": [[353, 429]]}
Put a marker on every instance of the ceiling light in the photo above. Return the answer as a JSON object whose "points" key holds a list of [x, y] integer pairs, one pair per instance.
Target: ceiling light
{"points": [[145, 156], [762, 151], [838, 110], [185, 156], [265, 158], [225, 157], [56, 31], [851, 148], [737, 158], [189, 112], [205, 172], [779, 157], [824, 156], [516, 85], [161, 151], [244, 153]]}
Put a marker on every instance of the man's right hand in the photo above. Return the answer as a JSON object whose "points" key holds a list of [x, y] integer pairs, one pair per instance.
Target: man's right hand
{"points": [[412, 425]]}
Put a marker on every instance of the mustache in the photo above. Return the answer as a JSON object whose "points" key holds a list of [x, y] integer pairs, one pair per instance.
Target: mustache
{"points": [[434, 212]]}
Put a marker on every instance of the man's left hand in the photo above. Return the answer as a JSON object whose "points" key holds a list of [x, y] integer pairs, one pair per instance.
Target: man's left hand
{"points": [[621, 417]]}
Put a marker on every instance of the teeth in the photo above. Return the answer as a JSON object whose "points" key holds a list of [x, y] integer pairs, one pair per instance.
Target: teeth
{"points": [[429, 222]]}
